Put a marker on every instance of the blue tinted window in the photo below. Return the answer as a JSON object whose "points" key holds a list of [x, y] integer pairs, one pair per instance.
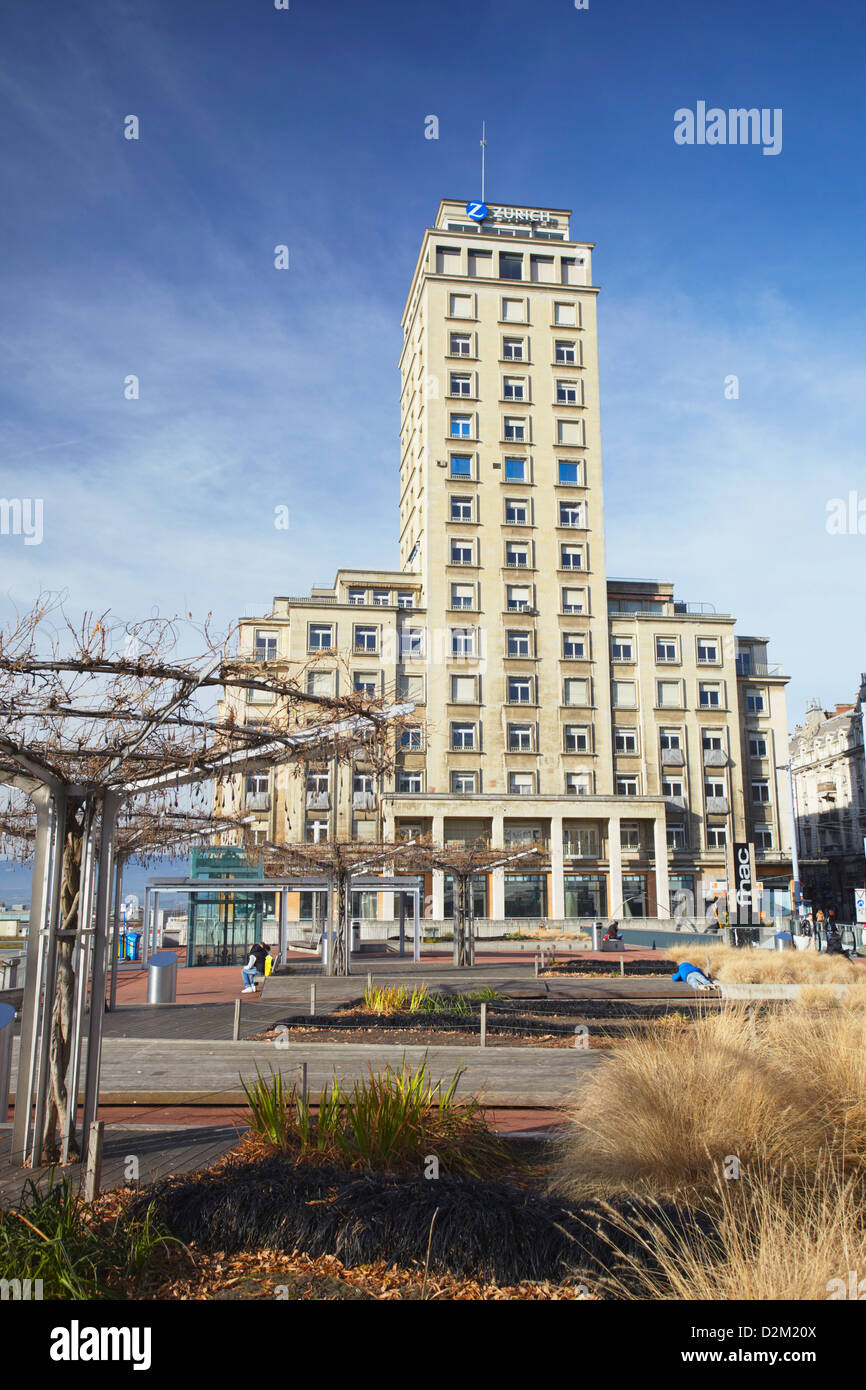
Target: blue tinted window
{"points": [[568, 472], [515, 470]]}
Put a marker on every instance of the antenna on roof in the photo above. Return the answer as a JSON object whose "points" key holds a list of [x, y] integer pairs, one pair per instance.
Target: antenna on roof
{"points": [[483, 151]]}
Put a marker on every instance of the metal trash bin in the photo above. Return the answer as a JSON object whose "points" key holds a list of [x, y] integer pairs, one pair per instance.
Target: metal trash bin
{"points": [[596, 935], [162, 978], [7, 1022]]}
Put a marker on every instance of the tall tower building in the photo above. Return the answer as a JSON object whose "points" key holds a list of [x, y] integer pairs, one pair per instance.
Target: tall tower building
{"points": [[627, 734]]}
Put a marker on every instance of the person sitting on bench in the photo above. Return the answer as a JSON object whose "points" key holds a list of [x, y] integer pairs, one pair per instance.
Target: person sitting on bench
{"points": [[689, 974], [254, 966], [612, 933]]}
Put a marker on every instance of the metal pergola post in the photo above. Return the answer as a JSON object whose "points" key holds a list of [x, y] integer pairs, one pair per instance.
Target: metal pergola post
{"points": [[110, 807], [115, 935]]}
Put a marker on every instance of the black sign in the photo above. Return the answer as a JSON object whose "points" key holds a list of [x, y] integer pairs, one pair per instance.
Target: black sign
{"points": [[743, 885]]}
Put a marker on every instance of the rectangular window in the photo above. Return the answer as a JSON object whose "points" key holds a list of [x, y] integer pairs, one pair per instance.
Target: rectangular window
{"points": [[512, 349], [570, 557], [574, 646], [266, 646], [577, 784], [763, 837], [520, 738], [460, 345], [711, 742], [460, 306], [717, 837], [761, 790], [525, 895], [410, 738], [666, 649], [516, 511], [576, 738], [709, 696], [670, 738], [321, 637], [569, 471], [320, 682], [521, 783], [564, 315], [410, 688], [461, 427], [755, 701], [625, 740], [381, 598], [463, 783], [622, 649], [676, 837], [626, 786], [516, 555], [571, 514], [462, 737], [518, 643], [623, 694], [567, 393], [463, 641], [515, 470], [519, 690], [405, 600], [517, 598], [672, 786], [461, 508], [460, 385], [358, 597], [462, 595], [366, 639], [569, 432], [708, 651], [541, 269], [409, 782], [629, 836], [574, 600], [461, 553], [463, 690], [366, 683], [513, 388], [515, 429], [576, 691], [713, 788], [510, 267], [461, 466], [411, 642], [513, 310], [757, 746], [481, 263], [669, 693], [565, 351]]}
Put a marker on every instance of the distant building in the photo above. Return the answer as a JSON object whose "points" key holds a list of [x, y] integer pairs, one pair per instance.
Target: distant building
{"points": [[829, 768]]}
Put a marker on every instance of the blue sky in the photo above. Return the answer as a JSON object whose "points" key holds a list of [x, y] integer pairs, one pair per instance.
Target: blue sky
{"points": [[261, 388]]}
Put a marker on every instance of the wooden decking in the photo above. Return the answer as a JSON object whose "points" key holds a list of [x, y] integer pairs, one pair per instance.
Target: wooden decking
{"points": [[160, 1152]]}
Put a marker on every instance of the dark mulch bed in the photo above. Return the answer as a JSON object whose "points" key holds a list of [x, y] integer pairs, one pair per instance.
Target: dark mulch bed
{"points": [[489, 1230], [662, 969]]}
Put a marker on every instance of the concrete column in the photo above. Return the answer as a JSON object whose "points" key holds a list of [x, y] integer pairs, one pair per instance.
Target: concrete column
{"points": [[497, 830], [557, 897], [497, 894], [660, 844], [614, 859], [438, 894]]}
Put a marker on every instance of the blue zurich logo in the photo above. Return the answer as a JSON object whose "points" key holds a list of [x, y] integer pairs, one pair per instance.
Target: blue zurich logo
{"points": [[477, 211]]}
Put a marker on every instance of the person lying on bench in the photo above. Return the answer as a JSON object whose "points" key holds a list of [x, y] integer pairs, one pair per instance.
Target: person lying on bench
{"points": [[689, 974]]}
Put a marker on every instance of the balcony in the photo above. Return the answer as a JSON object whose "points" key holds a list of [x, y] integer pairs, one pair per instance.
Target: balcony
{"points": [[754, 670], [363, 801], [717, 805], [675, 803], [258, 801], [715, 757], [318, 801], [580, 849], [673, 757]]}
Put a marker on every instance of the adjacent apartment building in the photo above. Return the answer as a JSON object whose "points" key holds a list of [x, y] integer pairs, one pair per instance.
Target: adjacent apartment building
{"points": [[828, 762], [626, 733]]}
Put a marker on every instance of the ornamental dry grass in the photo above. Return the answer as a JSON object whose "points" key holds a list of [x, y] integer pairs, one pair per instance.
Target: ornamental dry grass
{"points": [[751, 965], [662, 1113]]}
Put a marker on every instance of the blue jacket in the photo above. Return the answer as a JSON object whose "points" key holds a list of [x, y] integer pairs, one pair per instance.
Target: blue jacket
{"points": [[686, 969]]}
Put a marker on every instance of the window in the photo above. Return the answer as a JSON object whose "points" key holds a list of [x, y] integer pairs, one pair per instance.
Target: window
{"points": [[512, 349], [462, 595], [362, 783], [460, 345], [564, 315], [567, 393], [405, 600], [574, 646], [321, 637], [411, 642], [757, 746], [625, 740], [515, 471], [565, 351], [461, 553], [761, 790], [672, 786], [622, 649], [569, 432], [576, 738], [712, 788], [670, 738], [516, 511], [541, 269], [358, 597], [708, 651], [623, 694], [513, 388], [755, 701], [266, 646], [461, 508], [569, 471], [381, 598], [447, 260], [626, 786], [526, 895], [711, 742], [316, 831], [518, 643], [460, 385], [571, 557], [629, 836], [519, 690], [365, 683], [520, 738], [463, 783], [409, 782], [717, 837], [669, 693], [460, 306], [763, 837], [521, 783], [517, 598], [510, 267], [258, 783], [410, 738], [366, 639], [462, 736], [410, 688], [666, 649], [461, 466], [516, 555], [513, 310], [709, 696], [320, 682], [577, 784], [676, 837], [576, 691], [515, 429], [571, 514], [461, 426], [463, 641], [574, 600], [463, 690]]}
